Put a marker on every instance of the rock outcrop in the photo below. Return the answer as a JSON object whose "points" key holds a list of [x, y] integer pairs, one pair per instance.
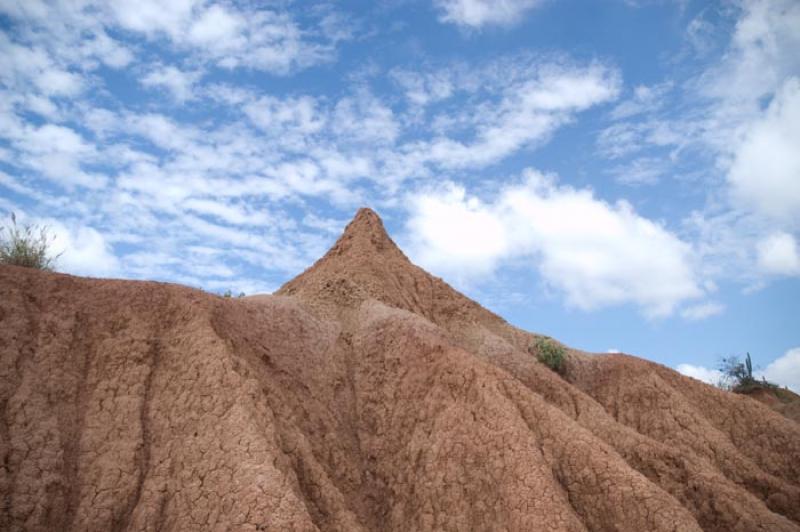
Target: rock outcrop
{"points": [[364, 395]]}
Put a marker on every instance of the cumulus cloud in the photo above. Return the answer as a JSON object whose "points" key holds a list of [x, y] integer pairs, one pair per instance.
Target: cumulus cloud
{"points": [[765, 173], [760, 56], [709, 376], [258, 153], [752, 121], [479, 13], [778, 255], [596, 253], [457, 234], [742, 113], [785, 371], [83, 250]]}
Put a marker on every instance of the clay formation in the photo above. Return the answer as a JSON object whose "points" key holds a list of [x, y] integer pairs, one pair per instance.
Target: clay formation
{"points": [[365, 395]]}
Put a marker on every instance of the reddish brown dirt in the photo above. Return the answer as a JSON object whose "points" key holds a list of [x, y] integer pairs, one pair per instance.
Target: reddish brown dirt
{"points": [[365, 395], [779, 399]]}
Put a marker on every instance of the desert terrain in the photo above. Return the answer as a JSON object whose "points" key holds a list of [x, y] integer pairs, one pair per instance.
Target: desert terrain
{"points": [[364, 395]]}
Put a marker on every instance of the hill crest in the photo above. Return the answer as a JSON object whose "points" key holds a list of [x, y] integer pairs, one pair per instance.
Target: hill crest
{"points": [[367, 395]]}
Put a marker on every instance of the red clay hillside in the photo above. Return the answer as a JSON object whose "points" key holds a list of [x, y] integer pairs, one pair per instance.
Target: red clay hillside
{"points": [[365, 395]]}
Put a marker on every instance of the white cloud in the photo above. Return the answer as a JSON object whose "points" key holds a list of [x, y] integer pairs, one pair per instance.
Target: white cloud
{"points": [[597, 254], [742, 113], [216, 25], [633, 136], [199, 183], [228, 34], [785, 371], [84, 251], [286, 117], [701, 34], [69, 34], [231, 35], [180, 84], [528, 112], [643, 99], [755, 143], [778, 255], [22, 65], [56, 152], [640, 171], [478, 13], [161, 130], [452, 232], [760, 56], [765, 173], [364, 118], [422, 88], [228, 212], [151, 16], [702, 311], [709, 376]]}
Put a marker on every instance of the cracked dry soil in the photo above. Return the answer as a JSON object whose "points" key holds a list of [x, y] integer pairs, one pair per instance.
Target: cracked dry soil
{"points": [[365, 395]]}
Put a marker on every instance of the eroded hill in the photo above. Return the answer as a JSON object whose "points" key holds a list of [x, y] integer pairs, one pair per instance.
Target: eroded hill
{"points": [[365, 395]]}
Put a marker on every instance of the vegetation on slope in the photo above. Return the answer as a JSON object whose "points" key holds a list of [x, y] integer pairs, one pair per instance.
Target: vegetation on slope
{"points": [[27, 246]]}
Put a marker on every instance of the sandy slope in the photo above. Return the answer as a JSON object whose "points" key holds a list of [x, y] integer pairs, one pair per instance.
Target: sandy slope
{"points": [[365, 395]]}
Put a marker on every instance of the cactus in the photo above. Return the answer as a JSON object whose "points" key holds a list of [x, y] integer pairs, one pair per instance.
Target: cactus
{"points": [[749, 364]]}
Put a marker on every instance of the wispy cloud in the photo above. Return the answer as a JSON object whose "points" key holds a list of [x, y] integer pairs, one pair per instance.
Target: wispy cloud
{"points": [[226, 177], [702, 311], [479, 13], [179, 84], [737, 120], [210, 142]]}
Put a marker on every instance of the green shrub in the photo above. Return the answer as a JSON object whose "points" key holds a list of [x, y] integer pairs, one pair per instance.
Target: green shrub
{"points": [[228, 293], [27, 246], [549, 353]]}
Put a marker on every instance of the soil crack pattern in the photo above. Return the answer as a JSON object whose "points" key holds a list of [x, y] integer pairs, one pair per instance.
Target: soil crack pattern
{"points": [[364, 395]]}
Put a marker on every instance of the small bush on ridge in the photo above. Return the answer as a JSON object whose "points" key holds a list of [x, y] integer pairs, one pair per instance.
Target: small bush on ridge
{"points": [[549, 353], [228, 293], [27, 246], [737, 376]]}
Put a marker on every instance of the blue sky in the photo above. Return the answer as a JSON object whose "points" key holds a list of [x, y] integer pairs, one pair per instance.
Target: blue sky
{"points": [[621, 175]]}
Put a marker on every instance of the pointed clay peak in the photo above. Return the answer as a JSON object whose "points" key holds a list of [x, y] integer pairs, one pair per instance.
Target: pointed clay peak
{"points": [[364, 234], [366, 263], [363, 261], [366, 220]]}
